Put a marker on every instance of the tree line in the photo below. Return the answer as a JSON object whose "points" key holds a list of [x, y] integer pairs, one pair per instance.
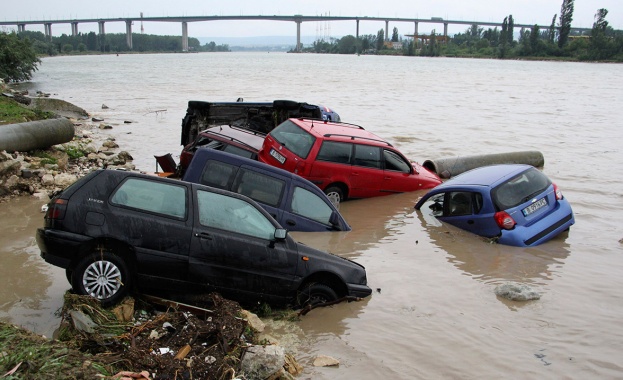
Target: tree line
{"points": [[558, 41]]}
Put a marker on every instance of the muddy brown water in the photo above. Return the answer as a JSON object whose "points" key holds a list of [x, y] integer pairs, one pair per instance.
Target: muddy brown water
{"points": [[433, 313]]}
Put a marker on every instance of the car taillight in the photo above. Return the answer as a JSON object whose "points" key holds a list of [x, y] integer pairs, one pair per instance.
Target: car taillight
{"points": [[558, 192], [56, 209], [504, 220]]}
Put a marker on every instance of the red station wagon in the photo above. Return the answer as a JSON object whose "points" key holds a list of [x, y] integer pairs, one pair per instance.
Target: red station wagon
{"points": [[344, 160]]}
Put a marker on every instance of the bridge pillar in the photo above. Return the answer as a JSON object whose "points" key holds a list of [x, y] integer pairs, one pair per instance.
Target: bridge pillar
{"points": [[74, 29], [101, 28], [128, 33], [445, 32], [21, 28], [184, 36], [47, 27], [298, 36], [386, 30]]}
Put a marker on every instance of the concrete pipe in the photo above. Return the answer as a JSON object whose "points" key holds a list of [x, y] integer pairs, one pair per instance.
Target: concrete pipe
{"points": [[41, 134], [451, 166]]}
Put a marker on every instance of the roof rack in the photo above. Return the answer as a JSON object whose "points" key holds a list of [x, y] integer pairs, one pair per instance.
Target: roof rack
{"points": [[339, 123], [358, 137]]}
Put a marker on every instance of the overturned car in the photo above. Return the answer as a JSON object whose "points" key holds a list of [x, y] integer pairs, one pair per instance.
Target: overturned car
{"points": [[239, 127]]}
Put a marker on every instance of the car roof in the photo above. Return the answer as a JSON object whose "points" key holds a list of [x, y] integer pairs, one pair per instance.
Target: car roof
{"points": [[345, 132], [239, 160], [228, 133], [490, 176]]}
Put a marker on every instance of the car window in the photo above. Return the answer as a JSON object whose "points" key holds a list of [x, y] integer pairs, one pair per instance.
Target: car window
{"points": [[238, 151], [369, 156], [460, 203], [159, 197], [233, 214], [294, 138], [520, 189], [218, 174], [259, 187], [309, 205], [394, 161], [335, 152]]}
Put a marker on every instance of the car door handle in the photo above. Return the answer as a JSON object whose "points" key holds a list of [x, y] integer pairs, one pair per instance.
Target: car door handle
{"points": [[204, 235], [470, 222], [290, 222]]}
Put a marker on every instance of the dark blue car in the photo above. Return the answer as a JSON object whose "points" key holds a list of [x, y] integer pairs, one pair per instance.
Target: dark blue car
{"points": [[294, 202], [513, 204]]}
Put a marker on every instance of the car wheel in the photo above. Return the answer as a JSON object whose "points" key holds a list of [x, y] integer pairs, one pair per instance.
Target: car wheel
{"points": [[335, 195], [104, 276], [314, 294]]}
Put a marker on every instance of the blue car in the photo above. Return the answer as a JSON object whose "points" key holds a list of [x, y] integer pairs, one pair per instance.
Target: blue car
{"points": [[512, 204], [293, 201]]}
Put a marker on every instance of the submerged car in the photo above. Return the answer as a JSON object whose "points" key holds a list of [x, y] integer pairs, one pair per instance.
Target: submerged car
{"points": [[116, 230], [293, 201], [514, 204], [344, 160]]}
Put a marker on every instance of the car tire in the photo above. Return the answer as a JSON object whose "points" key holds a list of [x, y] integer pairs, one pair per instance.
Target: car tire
{"points": [[104, 276], [335, 194], [68, 273], [313, 294]]}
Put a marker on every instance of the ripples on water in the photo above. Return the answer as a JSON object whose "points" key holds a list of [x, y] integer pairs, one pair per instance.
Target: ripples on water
{"points": [[435, 314]]}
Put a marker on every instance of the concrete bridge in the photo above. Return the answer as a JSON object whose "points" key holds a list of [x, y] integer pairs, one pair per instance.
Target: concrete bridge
{"points": [[298, 19]]}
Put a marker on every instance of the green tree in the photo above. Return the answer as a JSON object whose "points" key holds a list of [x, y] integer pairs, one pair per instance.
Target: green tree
{"points": [[511, 29], [395, 35], [347, 45], [551, 36], [566, 16], [380, 39], [534, 39], [600, 46], [18, 58]]}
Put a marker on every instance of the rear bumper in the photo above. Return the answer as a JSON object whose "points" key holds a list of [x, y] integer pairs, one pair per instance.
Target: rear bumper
{"points": [[59, 248], [542, 231]]}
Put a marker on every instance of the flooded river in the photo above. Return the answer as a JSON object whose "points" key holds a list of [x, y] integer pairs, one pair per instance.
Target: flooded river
{"points": [[433, 313]]}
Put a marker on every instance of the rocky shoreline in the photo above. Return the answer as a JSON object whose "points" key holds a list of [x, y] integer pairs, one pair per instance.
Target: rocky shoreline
{"points": [[44, 172]]}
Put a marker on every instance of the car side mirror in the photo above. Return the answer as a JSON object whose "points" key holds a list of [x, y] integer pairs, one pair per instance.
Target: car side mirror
{"points": [[334, 220], [281, 233]]}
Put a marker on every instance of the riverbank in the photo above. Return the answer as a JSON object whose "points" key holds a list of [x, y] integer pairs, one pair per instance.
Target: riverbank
{"points": [[138, 338]]}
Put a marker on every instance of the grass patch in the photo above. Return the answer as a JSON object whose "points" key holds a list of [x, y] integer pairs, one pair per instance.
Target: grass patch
{"points": [[12, 112]]}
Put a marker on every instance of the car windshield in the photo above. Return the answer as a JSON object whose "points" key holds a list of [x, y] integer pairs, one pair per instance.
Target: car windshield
{"points": [[294, 138], [520, 189]]}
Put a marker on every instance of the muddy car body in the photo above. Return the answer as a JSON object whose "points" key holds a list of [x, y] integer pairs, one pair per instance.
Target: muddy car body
{"points": [[115, 230]]}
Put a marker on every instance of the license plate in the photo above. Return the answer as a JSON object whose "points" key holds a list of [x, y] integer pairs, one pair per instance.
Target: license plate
{"points": [[278, 156], [533, 207]]}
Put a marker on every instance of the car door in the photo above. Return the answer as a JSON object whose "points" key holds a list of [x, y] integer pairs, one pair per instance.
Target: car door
{"points": [[153, 218], [397, 174], [306, 211], [466, 210], [366, 173], [233, 248]]}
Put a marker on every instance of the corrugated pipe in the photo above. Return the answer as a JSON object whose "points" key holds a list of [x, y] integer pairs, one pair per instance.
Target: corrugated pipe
{"points": [[41, 134], [451, 166]]}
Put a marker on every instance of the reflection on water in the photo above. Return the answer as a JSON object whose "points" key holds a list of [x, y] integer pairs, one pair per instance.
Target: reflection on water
{"points": [[491, 262], [31, 290], [373, 221]]}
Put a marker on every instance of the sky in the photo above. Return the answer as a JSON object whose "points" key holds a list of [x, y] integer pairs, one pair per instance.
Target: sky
{"points": [[523, 11]]}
